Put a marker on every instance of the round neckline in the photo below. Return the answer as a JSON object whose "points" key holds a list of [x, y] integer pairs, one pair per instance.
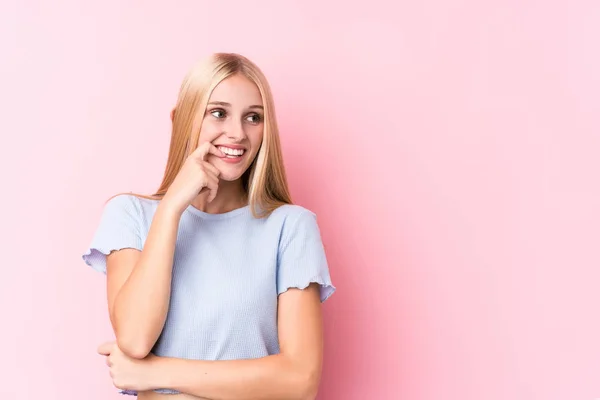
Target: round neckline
{"points": [[228, 214]]}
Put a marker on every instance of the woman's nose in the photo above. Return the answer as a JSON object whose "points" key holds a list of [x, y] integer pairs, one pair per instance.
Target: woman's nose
{"points": [[236, 131]]}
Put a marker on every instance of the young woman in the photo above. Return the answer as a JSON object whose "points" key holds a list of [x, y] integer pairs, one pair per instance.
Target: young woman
{"points": [[215, 282]]}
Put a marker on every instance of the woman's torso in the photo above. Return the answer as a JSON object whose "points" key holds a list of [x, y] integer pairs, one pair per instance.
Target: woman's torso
{"points": [[223, 302]]}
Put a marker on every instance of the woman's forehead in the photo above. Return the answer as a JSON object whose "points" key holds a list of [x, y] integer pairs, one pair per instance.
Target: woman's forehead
{"points": [[237, 90]]}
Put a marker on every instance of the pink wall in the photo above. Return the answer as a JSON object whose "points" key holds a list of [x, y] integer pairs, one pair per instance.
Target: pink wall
{"points": [[450, 149]]}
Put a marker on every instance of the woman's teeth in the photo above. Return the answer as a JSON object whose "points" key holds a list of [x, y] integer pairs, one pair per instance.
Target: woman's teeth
{"points": [[232, 153]]}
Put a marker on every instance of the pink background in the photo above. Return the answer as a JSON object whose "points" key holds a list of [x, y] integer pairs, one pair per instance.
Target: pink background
{"points": [[449, 148]]}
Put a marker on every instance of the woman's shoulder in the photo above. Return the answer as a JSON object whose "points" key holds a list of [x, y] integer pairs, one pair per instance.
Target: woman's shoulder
{"points": [[122, 203], [293, 211], [136, 206], [293, 216]]}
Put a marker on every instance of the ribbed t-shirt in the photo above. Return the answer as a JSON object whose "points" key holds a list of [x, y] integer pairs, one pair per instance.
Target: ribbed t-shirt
{"points": [[228, 270]]}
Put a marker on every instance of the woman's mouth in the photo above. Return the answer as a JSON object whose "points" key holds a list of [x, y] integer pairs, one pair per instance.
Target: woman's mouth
{"points": [[231, 155]]}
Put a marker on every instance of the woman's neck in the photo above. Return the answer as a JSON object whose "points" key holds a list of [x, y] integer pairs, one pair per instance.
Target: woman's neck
{"points": [[230, 196]]}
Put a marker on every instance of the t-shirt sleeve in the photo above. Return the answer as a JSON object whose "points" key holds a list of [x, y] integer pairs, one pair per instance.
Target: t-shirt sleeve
{"points": [[119, 228], [301, 256]]}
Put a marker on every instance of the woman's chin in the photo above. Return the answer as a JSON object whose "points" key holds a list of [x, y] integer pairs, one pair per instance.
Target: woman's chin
{"points": [[230, 176], [231, 172]]}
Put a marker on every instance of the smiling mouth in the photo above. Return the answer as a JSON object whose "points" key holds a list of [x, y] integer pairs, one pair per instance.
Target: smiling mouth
{"points": [[231, 153]]}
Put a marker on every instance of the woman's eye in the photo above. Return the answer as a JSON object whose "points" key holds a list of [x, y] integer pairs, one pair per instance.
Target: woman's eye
{"points": [[254, 118], [218, 113]]}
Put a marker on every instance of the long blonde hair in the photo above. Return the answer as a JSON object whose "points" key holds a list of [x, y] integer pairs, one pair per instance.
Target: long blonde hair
{"points": [[265, 182]]}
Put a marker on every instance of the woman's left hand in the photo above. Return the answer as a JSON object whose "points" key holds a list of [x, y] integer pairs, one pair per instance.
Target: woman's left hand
{"points": [[126, 372]]}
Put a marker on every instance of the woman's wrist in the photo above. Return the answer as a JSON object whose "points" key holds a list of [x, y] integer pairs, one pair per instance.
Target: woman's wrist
{"points": [[158, 373], [166, 209]]}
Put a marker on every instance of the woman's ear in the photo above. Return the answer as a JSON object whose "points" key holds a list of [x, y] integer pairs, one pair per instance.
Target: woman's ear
{"points": [[172, 114]]}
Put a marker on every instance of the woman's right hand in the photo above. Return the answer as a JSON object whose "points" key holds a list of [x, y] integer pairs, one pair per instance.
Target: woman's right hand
{"points": [[196, 176]]}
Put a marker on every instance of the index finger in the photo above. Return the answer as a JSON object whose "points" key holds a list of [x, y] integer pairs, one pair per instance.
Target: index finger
{"points": [[206, 148], [105, 348]]}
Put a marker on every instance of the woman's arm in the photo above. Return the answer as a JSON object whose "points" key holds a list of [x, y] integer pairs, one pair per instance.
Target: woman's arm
{"points": [[293, 374], [139, 286]]}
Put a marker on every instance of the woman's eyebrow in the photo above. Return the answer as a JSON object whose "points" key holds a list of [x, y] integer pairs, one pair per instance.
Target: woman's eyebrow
{"points": [[225, 104]]}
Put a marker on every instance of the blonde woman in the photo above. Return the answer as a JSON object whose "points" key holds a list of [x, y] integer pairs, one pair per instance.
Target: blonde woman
{"points": [[215, 282]]}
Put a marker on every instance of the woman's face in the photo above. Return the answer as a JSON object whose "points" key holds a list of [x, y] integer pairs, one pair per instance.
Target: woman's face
{"points": [[234, 123]]}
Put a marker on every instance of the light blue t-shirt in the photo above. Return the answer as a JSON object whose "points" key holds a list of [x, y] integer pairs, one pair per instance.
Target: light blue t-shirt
{"points": [[227, 273]]}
